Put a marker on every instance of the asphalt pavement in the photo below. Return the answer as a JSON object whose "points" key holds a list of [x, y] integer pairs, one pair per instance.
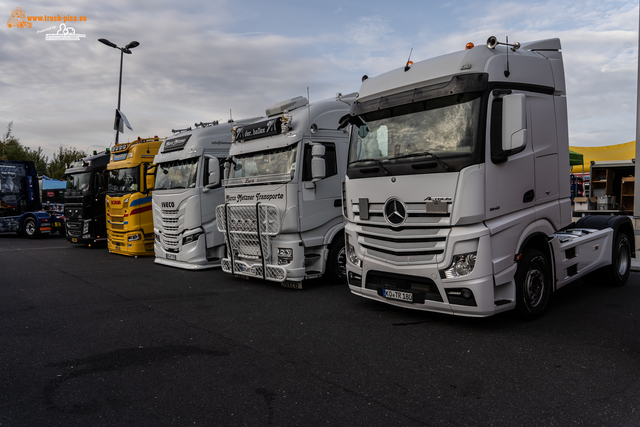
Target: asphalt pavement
{"points": [[91, 338]]}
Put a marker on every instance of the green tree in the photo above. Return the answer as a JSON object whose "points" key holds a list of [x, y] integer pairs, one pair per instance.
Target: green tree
{"points": [[40, 160], [12, 149], [62, 159]]}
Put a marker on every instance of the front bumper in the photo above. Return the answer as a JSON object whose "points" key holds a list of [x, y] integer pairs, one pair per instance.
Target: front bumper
{"points": [[192, 256], [119, 243], [274, 273], [76, 233], [425, 286]]}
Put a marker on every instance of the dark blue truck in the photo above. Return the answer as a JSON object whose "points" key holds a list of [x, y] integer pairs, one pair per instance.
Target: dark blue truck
{"points": [[20, 206]]}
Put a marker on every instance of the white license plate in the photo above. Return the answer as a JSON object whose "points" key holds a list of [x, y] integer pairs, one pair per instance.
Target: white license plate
{"points": [[402, 296], [171, 256]]}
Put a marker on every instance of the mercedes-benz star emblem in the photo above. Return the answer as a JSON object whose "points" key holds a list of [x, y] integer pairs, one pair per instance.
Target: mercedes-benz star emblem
{"points": [[395, 212]]}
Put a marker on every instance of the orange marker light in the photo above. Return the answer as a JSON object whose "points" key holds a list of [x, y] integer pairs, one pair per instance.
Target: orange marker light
{"points": [[469, 46]]}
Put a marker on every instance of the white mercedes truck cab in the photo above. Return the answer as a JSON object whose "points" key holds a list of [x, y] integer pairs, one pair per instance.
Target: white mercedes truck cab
{"points": [[187, 191], [457, 193], [282, 216]]}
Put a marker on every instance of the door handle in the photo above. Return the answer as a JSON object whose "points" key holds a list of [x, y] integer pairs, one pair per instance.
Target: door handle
{"points": [[528, 196]]}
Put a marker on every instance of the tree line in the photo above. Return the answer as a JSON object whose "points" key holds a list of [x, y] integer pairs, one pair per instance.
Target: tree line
{"points": [[12, 149]]}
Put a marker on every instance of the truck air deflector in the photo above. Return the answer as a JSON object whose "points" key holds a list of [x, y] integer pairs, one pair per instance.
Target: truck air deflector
{"points": [[457, 85]]}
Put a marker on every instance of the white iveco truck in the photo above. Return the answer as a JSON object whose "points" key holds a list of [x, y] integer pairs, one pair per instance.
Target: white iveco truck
{"points": [[187, 191], [457, 186], [283, 218]]}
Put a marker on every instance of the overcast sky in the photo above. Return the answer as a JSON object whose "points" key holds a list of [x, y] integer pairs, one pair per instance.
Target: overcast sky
{"points": [[199, 59]]}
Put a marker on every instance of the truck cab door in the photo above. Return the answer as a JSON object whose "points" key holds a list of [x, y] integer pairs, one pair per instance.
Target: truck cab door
{"points": [[320, 198], [212, 195], [510, 173]]}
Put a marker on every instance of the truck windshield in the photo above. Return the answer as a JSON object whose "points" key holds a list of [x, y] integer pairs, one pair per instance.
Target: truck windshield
{"points": [[11, 179], [79, 181], [177, 174], [437, 128], [277, 165], [124, 180]]}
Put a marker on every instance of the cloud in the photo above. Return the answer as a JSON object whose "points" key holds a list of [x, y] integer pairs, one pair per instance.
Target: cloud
{"points": [[198, 60]]}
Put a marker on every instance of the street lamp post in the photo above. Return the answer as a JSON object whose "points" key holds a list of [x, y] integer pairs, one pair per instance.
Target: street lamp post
{"points": [[123, 50]]}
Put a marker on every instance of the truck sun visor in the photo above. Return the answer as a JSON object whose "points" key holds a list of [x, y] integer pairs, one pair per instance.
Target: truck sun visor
{"points": [[175, 144], [458, 84]]}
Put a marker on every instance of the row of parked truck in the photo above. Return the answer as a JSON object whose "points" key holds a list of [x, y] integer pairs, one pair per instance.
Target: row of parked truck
{"points": [[441, 186]]}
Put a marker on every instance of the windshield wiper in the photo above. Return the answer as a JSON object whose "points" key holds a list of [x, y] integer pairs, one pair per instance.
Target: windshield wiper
{"points": [[423, 153], [386, 172]]}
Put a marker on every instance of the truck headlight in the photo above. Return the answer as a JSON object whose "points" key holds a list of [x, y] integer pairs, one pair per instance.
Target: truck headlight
{"points": [[462, 265], [134, 237], [191, 238], [285, 256], [352, 256]]}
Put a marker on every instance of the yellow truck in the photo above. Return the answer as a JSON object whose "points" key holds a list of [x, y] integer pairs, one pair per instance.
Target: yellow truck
{"points": [[128, 203]]}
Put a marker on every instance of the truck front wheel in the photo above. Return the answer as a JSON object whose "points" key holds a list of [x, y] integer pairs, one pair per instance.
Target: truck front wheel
{"points": [[533, 284], [620, 261], [336, 270], [29, 228]]}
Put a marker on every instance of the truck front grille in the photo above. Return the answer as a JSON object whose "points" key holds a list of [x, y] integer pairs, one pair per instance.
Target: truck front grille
{"points": [[73, 213], [242, 222], [404, 245], [247, 231]]}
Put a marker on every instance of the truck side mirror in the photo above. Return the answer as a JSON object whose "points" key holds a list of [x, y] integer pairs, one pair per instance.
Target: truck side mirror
{"points": [[149, 178], [227, 169], [318, 167], [213, 178], [514, 122], [98, 183]]}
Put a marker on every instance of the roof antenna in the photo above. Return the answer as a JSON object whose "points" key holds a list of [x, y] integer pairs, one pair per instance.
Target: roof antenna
{"points": [[230, 117], [409, 62], [492, 42], [312, 129], [507, 72]]}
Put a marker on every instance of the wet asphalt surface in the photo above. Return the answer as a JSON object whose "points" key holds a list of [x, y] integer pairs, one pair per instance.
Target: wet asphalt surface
{"points": [[90, 338]]}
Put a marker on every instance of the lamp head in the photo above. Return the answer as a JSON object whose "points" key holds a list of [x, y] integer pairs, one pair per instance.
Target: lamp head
{"points": [[108, 43]]}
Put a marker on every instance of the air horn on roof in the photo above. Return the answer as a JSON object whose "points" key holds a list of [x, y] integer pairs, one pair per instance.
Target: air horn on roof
{"points": [[492, 42]]}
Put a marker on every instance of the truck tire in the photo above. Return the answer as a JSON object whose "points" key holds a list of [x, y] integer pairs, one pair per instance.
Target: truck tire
{"points": [[617, 273], [533, 284], [336, 271], [29, 228]]}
